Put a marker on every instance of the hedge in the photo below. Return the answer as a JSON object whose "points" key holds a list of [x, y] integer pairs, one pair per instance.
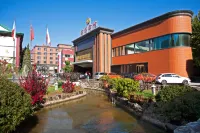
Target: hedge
{"points": [[15, 105], [168, 93]]}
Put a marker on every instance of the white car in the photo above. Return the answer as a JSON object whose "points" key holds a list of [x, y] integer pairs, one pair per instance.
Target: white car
{"points": [[98, 75], [171, 78]]}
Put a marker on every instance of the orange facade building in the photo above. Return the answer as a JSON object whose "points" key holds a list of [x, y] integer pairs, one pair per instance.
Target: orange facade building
{"points": [[159, 45]]}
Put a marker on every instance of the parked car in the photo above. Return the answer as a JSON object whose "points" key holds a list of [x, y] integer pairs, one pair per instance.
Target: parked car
{"points": [[171, 78], [98, 75], [145, 77], [82, 76]]}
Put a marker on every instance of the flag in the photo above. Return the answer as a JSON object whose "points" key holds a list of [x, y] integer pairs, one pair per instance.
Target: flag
{"points": [[31, 33], [48, 41], [14, 31]]}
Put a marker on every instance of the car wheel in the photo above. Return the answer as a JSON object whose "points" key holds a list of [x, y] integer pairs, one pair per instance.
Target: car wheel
{"points": [[185, 82], [164, 82]]}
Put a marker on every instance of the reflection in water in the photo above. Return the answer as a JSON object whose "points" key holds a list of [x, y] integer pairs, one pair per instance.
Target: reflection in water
{"points": [[92, 114]]}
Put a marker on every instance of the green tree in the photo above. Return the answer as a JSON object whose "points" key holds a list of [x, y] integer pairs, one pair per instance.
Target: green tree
{"points": [[195, 42], [26, 64], [68, 67]]}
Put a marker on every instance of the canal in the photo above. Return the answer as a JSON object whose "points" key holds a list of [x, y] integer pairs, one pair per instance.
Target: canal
{"points": [[90, 114]]}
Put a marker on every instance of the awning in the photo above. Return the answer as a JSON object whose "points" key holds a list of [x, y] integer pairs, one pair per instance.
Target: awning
{"points": [[84, 63]]}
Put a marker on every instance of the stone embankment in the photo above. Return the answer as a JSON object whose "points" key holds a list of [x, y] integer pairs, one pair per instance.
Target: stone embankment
{"points": [[64, 97]]}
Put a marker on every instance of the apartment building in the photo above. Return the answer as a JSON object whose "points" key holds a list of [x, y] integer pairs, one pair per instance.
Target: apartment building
{"points": [[46, 57]]}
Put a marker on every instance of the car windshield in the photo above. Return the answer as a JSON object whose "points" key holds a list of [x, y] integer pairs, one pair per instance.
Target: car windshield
{"points": [[96, 73], [102, 74]]}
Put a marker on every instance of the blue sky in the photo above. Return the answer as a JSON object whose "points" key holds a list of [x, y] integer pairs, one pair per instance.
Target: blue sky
{"points": [[66, 18]]}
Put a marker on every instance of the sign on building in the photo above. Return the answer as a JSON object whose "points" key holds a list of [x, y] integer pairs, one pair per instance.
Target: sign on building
{"points": [[90, 26]]}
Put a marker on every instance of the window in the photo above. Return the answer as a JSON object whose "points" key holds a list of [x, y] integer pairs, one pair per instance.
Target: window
{"points": [[56, 62], [38, 62], [56, 58], [51, 53], [167, 75], [45, 49], [181, 39], [51, 58], [45, 57], [45, 62], [38, 48], [67, 55], [142, 46], [129, 49], [51, 62], [56, 50], [45, 53], [51, 49], [38, 57], [39, 53]]}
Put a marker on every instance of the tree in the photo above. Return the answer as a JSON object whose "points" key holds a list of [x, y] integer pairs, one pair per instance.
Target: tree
{"points": [[195, 42], [26, 64], [68, 67]]}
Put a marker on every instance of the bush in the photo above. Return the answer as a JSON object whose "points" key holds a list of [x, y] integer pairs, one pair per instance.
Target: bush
{"points": [[183, 109], [168, 93], [35, 85], [105, 78], [68, 87], [15, 105], [60, 83], [124, 86]]}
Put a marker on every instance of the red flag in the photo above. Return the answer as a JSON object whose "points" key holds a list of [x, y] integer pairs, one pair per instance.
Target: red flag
{"points": [[14, 31], [32, 33]]}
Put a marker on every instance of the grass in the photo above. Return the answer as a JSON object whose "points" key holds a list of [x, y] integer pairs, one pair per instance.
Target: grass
{"points": [[145, 93], [51, 90]]}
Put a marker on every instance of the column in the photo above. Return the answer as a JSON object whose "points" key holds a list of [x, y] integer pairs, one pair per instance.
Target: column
{"points": [[100, 52]]}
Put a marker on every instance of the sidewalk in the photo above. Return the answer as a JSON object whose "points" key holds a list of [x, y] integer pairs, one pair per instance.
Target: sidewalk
{"points": [[195, 85]]}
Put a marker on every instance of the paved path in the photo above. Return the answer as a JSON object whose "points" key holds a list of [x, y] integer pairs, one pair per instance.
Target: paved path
{"points": [[195, 85]]}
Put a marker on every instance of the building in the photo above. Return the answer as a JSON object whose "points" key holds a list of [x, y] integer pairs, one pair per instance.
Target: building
{"points": [[46, 56], [7, 46], [159, 45], [93, 49]]}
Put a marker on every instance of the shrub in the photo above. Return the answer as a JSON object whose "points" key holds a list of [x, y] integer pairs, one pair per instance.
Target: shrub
{"points": [[124, 86], [68, 87], [183, 109], [168, 93], [105, 78], [35, 85], [15, 105], [60, 83]]}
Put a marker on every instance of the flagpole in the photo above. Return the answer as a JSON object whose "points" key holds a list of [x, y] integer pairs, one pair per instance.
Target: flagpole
{"points": [[13, 59], [14, 36], [30, 37]]}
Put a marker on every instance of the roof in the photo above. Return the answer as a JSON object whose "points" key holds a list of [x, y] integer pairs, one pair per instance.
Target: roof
{"points": [[91, 33], [9, 31], [154, 20], [64, 44]]}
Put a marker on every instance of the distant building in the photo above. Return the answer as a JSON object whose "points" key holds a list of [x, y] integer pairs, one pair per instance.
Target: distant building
{"points": [[48, 56], [7, 46]]}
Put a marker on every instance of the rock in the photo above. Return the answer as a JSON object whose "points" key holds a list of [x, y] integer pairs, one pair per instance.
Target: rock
{"points": [[183, 129], [170, 126], [194, 126], [137, 107]]}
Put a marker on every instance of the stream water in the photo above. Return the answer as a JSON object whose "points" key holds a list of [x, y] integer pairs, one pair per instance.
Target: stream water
{"points": [[90, 114]]}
